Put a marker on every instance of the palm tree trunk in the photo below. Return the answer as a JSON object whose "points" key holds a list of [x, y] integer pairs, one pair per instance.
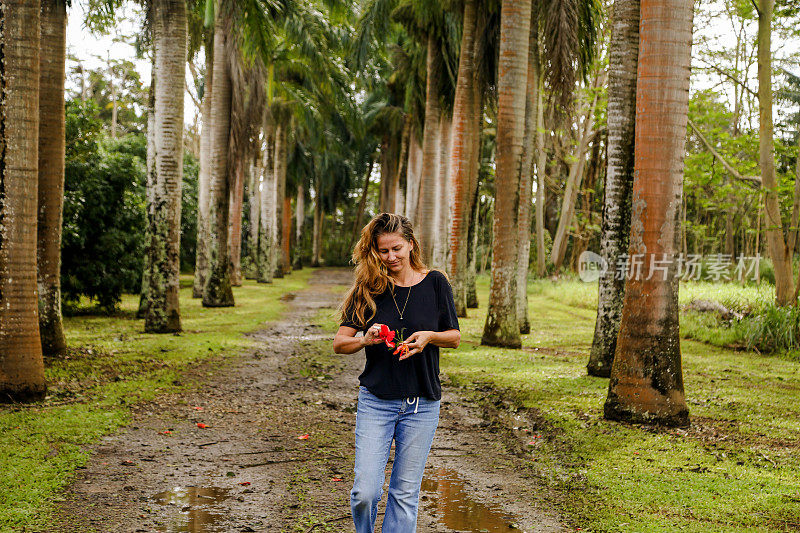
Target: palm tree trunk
{"points": [[472, 254], [400, 177], [525, 184], [204, 181], [235, 227], [502, 327], [266, 227], [51, 173], [254, 201], [300, 215], [778, 251], [316, 245], [286, 228], [425, 219], [169, 42], [281, 263], [646, 382], [623, 59], [217, 291], [413, 178], [462, 160], [541, 177], [442, 211], [149, 191], [21, 363]]}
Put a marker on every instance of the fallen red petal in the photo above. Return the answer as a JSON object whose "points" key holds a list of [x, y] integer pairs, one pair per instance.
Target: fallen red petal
{"points": [[244, 483], [303, 437], [201, 425], [336, 479]]}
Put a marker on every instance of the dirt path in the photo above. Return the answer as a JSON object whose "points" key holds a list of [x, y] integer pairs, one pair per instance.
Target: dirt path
{"points": [[248, 471]]}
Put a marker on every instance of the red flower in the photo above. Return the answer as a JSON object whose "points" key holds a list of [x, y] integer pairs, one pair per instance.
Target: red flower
{"points": [[387, 335], [201, 425]]}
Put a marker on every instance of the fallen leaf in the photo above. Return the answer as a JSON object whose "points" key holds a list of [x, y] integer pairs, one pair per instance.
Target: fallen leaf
{"points": [[336, 479], [244, 483], [303, 437], [201, 425]]}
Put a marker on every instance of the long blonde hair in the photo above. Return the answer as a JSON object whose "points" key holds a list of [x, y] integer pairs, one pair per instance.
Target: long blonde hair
{"points": [[372, 276]]}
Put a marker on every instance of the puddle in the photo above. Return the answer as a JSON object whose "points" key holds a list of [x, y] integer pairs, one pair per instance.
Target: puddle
{"points": [[449, 502], [195, 505]]}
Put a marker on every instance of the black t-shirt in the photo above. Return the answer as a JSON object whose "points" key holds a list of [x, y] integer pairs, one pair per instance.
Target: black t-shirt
{"points": [[430, 307]]}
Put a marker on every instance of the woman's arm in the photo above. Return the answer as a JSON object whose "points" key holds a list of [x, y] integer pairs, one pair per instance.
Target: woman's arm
{"points": [[345, 340], [443, 339]]}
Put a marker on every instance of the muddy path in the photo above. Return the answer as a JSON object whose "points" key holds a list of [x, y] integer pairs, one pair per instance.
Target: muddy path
{"points": [[247, 470]]}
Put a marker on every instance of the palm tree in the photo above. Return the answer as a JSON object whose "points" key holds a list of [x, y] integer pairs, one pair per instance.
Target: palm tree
{"points": [[169, 43], [646, 382], [266, 227], [204, 177], [463, 157], [51, 173], [21, 364], [217, 291], [502, 327], [623, 58]]}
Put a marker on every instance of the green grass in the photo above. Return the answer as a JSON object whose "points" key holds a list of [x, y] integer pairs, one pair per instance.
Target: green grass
{"points": [[112, 365], [735, 469]]}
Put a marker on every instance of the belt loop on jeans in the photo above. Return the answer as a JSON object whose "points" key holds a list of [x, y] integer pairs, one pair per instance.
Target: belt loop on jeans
{"points": [[411, 400]]}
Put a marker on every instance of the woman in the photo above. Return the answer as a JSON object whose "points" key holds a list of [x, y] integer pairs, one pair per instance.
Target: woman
{"points": [[395, 302]]}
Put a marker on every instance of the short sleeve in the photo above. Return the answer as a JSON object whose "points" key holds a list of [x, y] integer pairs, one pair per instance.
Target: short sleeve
{"points": [[349, 323], [448, 318]]}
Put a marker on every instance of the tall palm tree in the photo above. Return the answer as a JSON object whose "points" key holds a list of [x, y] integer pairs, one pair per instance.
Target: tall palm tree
{"points": [[266, 227], [646, 382], [169, 43], [623, 58], [217, 291], [51, 173], [21, 364], [463, 158], [204, 176], [501, 327]]}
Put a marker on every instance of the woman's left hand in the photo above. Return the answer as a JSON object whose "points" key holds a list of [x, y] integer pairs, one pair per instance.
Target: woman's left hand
{"points": [[416, 342]]}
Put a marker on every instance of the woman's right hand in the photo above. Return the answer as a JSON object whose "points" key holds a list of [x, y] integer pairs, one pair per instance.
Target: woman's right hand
{"points": [[372, 336]]}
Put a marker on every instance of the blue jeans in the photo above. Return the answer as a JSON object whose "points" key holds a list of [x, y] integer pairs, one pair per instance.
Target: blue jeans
{"points": [[411, 423]]}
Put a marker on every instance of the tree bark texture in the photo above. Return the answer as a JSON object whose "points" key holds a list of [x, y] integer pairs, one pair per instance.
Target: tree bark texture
{"points": [[282, 265], [300, 216], [502, 327], [204, 182], [541, 177], [442, 211], [413, 179], [426, 217], [52, 61], [266, 226], [254, 202], [235, 226], [316, 244], [525, 184], [150, 177], [21, 363], [773, 226], [462, 157], [646, 382], [169, 42], [623, 60], [217, 291]]}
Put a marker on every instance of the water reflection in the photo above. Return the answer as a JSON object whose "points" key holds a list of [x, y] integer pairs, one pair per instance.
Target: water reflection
{"points": [[453, 507], [196, 507]]}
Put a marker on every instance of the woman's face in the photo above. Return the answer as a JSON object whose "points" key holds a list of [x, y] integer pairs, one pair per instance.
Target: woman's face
{"points": [[394, 251]]}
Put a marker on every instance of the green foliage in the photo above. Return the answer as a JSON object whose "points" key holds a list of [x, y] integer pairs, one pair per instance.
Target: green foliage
{"points": [[102, 239], [102, 246]]}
